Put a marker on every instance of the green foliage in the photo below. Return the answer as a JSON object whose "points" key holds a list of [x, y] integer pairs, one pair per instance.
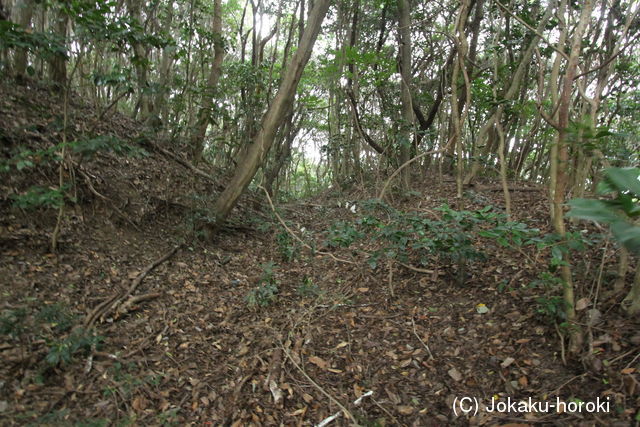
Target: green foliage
{"points": [[309, 289], [86, 148], [267, 290], [288, 247], [448, 240], [62, 351], [126, 380], [168, 417], [57, 316], [39, 197], [51, 323], [44, 45], [552, 307], [341, 235], [12, 322], [619, 211]]}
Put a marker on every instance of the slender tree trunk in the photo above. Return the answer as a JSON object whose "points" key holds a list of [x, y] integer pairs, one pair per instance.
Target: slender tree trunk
{"points": [[405, 134], [22, 12], [561, 173], [58, 61], [512, 88], [208, 95], [140, 62], [255, 153]]}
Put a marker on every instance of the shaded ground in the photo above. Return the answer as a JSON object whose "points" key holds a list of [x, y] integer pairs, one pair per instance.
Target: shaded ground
{"points": [[197, 352]]}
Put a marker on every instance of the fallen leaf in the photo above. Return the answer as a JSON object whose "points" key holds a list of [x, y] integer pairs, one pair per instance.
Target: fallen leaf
{"points": [[455, 374], [482, 309], [582, 303], [508, 361], [139, 403], [405, 410], [318, 362], [628, 371], [523, 381]]}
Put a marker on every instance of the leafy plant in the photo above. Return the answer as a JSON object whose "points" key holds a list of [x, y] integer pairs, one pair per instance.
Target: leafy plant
{"points": [[289, 248], [40, 197], [62, 351], [57, 316], [267, 290], [552, 307], [308, 288], [620, 210], [12, 322], [341, 235]]}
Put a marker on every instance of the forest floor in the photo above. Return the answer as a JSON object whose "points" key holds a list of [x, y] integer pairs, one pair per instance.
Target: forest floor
{"points": [[193, 350]]}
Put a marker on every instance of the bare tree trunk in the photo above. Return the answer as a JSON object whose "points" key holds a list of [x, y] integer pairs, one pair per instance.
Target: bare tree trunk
{"points": [[58, 61], [457, 120], [631, 303], [254, 154], [140, 62], [204, 115], [22, 12], [406, 127], [512, 88], [561, 173]]}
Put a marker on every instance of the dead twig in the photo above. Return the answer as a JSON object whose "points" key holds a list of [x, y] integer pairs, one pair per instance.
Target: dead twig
{"points": [[123, 301], [344, 410], [413, 323], [299, 240]]}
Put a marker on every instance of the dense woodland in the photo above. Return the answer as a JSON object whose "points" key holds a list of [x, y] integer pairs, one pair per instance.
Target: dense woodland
{"points": [[302, 212]]}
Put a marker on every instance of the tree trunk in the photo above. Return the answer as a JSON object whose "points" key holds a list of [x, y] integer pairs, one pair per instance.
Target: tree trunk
{"points": [[255, 153], [204, 115], [406, 127], [22, 12], [561, 180], [58, 61]]}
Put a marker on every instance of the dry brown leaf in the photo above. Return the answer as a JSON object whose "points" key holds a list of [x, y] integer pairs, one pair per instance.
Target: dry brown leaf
{"points": [[139, 403], [523, 381], [405, 410], [297, 412], [508, 361], [582, 303], [455, 374], [320, 363]]}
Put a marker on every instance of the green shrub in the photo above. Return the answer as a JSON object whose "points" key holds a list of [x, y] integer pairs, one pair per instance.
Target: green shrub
{"points": [[267, 290]]}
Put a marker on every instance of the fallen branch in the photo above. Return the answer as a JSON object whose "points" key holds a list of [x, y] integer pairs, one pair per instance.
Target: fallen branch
{"points": [[320, 389], [356, 402], [271, 382], [120, 303], [413, 322]]}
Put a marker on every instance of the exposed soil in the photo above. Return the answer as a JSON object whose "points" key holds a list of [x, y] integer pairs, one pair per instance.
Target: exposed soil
{"points": [[195, 352]]}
